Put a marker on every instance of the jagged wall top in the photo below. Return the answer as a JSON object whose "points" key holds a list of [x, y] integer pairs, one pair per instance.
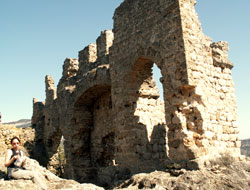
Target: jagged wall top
{"points": [[97, 54]]}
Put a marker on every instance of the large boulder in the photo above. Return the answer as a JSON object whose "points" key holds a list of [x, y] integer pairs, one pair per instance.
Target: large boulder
{"points": [[224, 172], [52, 181]]}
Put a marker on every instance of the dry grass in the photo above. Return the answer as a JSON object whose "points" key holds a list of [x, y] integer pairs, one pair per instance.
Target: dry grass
{"points": [[224, 160]]}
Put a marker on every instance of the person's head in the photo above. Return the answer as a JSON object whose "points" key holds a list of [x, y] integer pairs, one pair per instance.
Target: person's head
{"points": [[15, 141]]}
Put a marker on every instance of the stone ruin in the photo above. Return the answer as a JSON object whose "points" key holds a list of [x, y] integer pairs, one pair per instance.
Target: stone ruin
{"points": [[107, 106]]}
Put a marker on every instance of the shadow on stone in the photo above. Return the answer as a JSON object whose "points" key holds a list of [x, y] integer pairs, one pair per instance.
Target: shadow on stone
{"points": [[3, 175]]}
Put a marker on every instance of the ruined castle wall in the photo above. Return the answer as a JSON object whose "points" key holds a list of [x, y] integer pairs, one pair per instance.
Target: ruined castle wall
{"points": [[48, 133], [85, 128], [139, 41], [108, 108], [52, 132], [87, 58], [37, 116], [148, 116], [102, 136], [96, 54], [104, 42], [84, 103], [50, 90], [209, 72]]}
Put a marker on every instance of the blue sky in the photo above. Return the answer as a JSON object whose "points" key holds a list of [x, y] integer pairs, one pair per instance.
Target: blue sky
{"points": [[37, 35]]}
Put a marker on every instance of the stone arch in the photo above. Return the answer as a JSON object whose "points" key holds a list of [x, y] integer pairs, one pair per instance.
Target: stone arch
{"points": [[141, 74], [92, 138], [145, 127]]}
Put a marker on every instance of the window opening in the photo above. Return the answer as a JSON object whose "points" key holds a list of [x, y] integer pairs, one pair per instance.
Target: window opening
{"points": [[157, 76]]}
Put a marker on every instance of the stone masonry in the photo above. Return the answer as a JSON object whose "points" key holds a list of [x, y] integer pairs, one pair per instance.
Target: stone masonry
{"points": [[107, 105]]}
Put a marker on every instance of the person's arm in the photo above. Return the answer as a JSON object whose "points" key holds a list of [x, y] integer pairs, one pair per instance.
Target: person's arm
{"points": [[8, 159], [23, 159]]}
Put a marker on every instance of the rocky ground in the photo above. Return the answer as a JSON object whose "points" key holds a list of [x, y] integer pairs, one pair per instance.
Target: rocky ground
{"points": [[52, 181], [221, 173]]}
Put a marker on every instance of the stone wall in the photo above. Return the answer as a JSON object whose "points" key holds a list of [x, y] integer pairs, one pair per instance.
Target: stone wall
{"points": [[107, 106], [209, 73]]}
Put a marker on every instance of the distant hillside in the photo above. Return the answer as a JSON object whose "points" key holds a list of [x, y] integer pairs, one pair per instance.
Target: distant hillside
{"points": [[22, 123], [245, 147]]}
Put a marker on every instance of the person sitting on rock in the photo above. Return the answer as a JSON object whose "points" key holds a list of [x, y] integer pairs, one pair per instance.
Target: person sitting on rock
{"points": [[15, 163]]}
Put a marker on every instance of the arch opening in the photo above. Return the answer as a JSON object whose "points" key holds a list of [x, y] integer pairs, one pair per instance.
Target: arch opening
{"points": [[92, 133], [148, 115]]}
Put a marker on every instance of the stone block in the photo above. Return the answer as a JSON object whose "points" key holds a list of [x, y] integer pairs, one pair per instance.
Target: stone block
{"points": [[209, 135]]}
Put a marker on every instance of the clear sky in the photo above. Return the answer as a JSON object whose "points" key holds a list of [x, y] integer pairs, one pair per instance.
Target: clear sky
{"points": [[37, 35]]}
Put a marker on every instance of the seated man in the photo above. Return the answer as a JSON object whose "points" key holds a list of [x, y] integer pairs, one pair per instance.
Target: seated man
{"points": [[15, 162]]}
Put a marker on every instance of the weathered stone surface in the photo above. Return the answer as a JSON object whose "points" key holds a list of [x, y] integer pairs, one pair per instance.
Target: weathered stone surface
{"points": [[223, 173], [108, 108], [60, 185]]}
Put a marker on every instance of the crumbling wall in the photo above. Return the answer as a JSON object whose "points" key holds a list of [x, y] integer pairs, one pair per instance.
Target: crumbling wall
{"points": [[81, 113], [102, 135], [213, 94], [139, 41], [108, 108]]}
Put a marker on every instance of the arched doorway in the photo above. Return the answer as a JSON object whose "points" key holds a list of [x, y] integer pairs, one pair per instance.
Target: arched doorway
{"points": [[145, 125], [92, 138]]}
